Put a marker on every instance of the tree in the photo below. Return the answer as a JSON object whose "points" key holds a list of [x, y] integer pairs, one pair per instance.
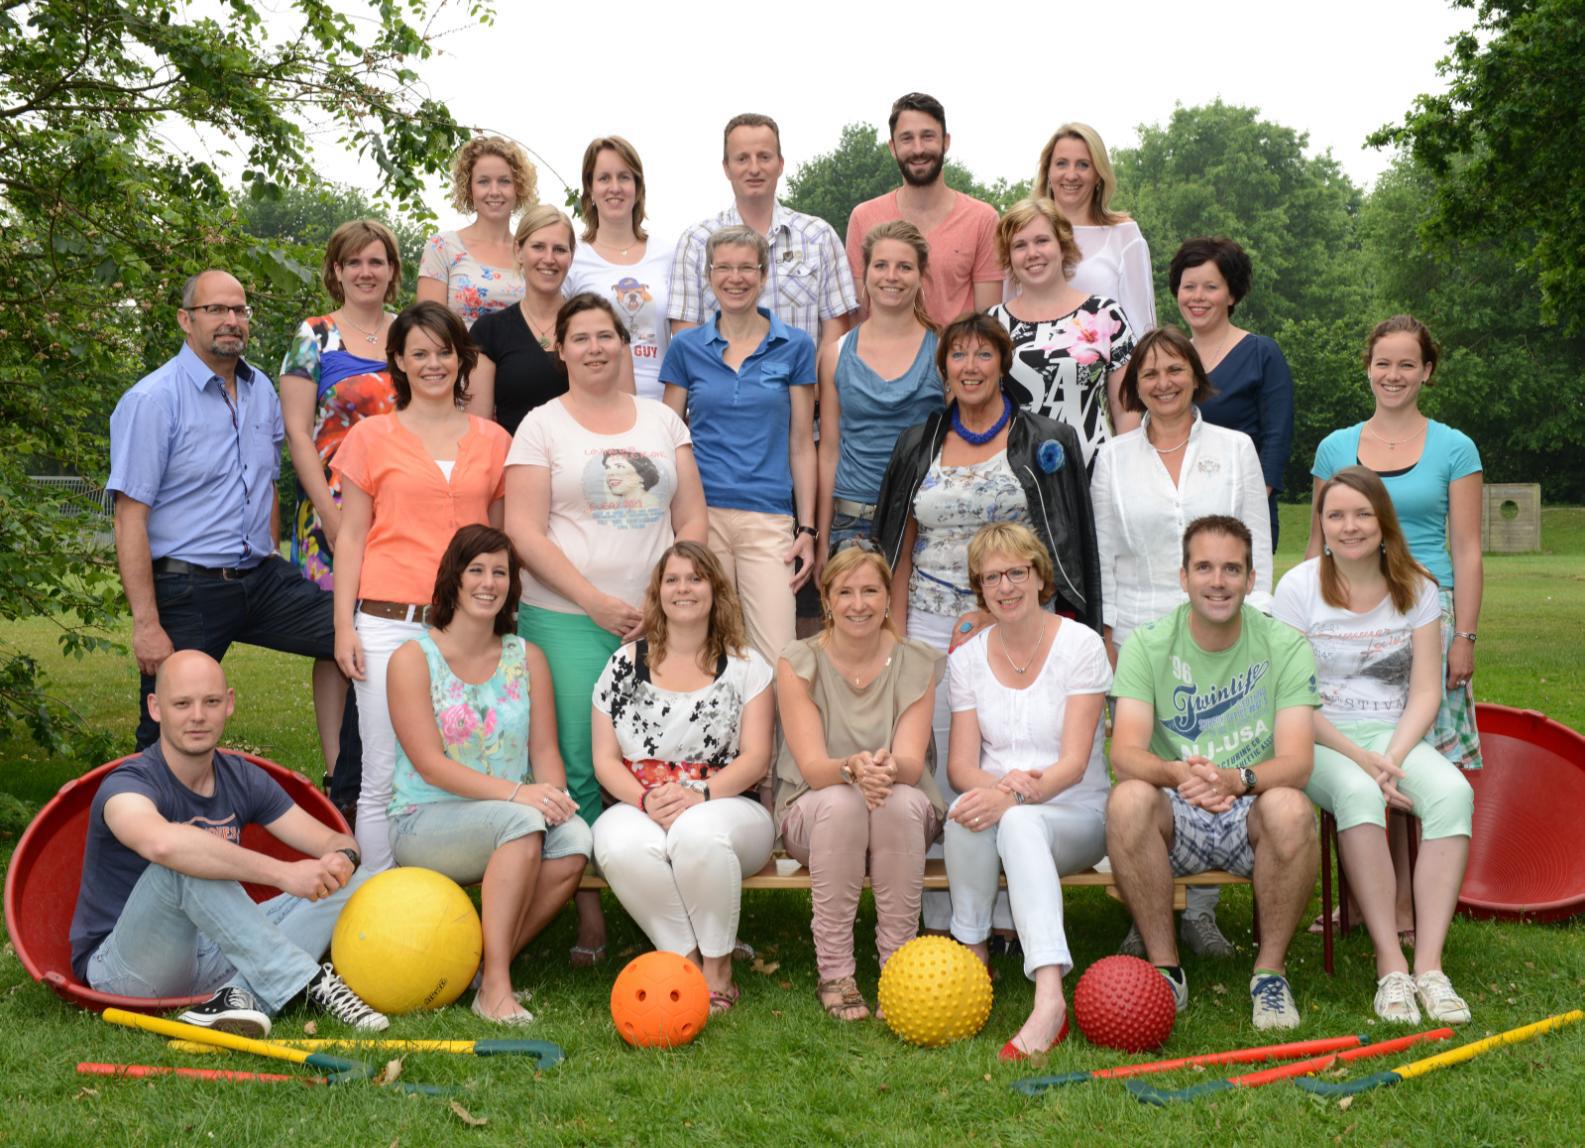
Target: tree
{"points": [[103, 214], [832, 184], [1504, 142], [1220, 169], [1514, 383]]}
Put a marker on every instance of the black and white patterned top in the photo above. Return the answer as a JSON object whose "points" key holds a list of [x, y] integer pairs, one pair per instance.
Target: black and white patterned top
{"points": [[699, 727]]}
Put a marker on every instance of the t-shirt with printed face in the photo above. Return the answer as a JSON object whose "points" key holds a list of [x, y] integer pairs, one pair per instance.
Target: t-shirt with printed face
{"points": [[1223, 705], [244, 794]]}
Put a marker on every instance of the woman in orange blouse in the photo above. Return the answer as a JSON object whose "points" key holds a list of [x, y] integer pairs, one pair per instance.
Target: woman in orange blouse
{"points": [[409, 480]]}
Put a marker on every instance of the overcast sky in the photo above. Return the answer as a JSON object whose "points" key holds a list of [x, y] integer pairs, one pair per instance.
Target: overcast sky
{"points": [[554, 76]]}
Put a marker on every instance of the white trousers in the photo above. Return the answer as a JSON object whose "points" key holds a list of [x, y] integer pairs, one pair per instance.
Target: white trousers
{"points": [[684, 886], [381, 638], [1034, 845], [936, 630]]}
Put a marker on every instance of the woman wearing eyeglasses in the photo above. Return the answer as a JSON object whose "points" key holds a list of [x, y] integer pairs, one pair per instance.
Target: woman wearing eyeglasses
{"points": [[1027, 696]]}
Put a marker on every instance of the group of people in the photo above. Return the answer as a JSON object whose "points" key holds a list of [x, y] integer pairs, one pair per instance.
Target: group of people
{"points": [[554, 521]]}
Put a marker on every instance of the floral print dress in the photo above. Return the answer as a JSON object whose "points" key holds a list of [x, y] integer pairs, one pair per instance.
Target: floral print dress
{"points": [[1060, 365], [951, 505], [349, 388], [483, 726], [472, 288]]}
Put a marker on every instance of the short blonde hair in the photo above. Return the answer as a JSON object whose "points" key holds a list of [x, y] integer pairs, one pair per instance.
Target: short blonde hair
{"points": [[1020, 215], [846, 562], [539, 216], [1015, 540], [525, 178], [349, 239], [1105, 177]]}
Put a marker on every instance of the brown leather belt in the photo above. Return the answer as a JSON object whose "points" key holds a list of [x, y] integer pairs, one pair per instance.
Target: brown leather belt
{"points": [[395, 611]]}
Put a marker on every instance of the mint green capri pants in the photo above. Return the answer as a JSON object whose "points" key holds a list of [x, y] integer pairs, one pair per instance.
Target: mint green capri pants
{"points": [[1443, 800]]}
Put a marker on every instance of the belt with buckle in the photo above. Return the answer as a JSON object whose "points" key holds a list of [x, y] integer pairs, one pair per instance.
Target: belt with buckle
{"points": [[395, 611], [853, 509], [177, 566]]}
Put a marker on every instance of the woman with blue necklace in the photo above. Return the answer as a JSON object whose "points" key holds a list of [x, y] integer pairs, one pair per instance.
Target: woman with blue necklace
{"points": [[983, 459]]}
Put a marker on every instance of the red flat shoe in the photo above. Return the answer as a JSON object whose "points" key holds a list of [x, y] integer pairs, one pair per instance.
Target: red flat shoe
{"points": [[1011, 1051]]}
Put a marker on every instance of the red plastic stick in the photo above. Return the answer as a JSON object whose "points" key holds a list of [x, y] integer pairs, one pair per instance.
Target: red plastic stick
{"points": [[91, 1068], [1322, 1063], [1236, 1056]]}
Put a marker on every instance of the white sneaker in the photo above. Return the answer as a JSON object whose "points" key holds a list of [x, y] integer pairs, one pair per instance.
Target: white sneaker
{"points": [[1438, 998], [1179, 986], [1395, 999], [1272, 1000]]}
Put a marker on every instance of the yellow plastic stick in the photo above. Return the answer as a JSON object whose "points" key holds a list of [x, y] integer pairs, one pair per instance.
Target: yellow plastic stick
{"points": [[209, 1036], [1468, 1051]]}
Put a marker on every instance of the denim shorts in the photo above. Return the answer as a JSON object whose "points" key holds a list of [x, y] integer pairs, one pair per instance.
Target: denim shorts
{"points": [[845, 526], [458, 838]]}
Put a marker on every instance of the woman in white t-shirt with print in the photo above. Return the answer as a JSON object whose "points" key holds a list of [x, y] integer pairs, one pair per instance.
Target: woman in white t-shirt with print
{"points": [[589, 536], [1027, 695], [682, 736], [1373, 616], [619, 260]]}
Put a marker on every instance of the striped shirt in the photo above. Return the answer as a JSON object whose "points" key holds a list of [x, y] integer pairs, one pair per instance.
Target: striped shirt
{"points": [[809, 279]]}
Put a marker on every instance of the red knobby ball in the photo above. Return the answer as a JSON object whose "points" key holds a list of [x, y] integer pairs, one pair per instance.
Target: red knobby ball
{"points": [[1124, 1003]]}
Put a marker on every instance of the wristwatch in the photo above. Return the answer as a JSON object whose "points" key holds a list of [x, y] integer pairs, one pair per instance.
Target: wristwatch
{"points": [[352, 855], [1247, 776], [809, 530], [693, 783]]}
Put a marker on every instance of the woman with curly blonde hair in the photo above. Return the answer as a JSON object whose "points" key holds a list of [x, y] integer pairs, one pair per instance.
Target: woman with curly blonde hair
{"points": [[682, 738], [471, 270]]}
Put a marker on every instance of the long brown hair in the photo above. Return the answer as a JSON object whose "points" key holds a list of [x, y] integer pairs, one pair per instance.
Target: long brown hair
{"points": [[467, 544], [902, 231], [843, 563], [1398, 567], [726, 635], [628, 154]]}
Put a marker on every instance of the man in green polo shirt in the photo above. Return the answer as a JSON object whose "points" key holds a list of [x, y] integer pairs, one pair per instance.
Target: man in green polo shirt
{"points": [[1212, 744]]}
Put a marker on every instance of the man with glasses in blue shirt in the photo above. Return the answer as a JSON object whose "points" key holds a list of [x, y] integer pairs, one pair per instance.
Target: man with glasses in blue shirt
{"points": [[195, 449]]}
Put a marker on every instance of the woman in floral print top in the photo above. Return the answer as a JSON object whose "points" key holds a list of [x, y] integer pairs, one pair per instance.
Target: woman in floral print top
{"points": [[480, 789]]}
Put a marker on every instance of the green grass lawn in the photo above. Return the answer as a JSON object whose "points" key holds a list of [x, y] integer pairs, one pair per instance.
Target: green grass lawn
{"points": [[776, 1071]]}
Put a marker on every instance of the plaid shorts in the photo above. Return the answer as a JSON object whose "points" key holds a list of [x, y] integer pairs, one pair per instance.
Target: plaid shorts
{"points": [[1203, 840], [1453, 733]]}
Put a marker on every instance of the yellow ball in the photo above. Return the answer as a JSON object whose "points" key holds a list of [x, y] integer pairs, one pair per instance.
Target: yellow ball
{"points": [[409, 939], [934, 991]]}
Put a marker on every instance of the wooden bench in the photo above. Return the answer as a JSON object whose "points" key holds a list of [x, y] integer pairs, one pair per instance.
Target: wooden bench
{"points": [[771, 877]]}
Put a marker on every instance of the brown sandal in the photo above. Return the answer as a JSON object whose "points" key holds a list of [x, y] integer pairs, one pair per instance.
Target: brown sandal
{"points": [[847, 999], [723, 1002]]}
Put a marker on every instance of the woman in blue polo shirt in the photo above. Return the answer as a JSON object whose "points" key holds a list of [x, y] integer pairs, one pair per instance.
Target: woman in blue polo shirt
{"points": [[746, 383]]}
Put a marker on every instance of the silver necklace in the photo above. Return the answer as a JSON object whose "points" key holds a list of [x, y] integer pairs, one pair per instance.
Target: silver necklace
{"points": [[1173, 449], [369, 337], [1395, 443], [1006, 653]]}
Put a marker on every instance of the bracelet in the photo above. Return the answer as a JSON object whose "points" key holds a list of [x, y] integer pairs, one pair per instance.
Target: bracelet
{"points": [[1470, 634], [511, 797], [643, 801]]}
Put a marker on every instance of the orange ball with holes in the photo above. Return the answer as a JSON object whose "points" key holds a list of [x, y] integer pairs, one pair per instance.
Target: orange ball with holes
{"points": [[659, 1000]]}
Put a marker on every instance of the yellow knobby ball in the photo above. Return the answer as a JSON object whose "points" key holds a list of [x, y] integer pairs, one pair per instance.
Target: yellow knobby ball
{"points": [[934, 991], [409, 939]]}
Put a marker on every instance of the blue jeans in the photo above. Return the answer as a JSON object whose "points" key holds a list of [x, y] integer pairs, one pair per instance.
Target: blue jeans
{"points": [[179, 936], [845, 526], [272, 606]]}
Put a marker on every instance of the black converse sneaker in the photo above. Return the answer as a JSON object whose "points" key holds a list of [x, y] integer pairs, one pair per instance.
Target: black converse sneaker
{"points": [[329, 994], [231, 1010]]}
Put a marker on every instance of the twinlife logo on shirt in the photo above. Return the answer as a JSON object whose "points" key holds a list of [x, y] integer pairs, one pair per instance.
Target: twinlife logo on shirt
{"points": [[227, 829], [1193, 711]]}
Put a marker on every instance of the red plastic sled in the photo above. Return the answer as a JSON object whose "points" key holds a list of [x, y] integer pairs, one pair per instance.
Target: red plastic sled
{"points": [[41, 882], [1527, 853]]}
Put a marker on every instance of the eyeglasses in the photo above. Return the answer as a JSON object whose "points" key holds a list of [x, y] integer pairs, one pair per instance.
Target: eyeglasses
{"points": [[736, 268], [1015, 575], [221, 310]]}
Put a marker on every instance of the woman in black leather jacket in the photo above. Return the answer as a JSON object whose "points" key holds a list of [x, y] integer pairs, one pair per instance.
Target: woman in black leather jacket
{"points": [[983, 459]]}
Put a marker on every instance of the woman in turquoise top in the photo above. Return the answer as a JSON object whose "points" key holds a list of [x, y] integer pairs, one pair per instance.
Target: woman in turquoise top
{"points": [[480, 788], [1433, 473], [875, 382]]}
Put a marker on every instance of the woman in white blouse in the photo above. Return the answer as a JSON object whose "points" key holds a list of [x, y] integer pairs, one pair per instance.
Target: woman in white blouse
{"points": [[1075, 173], [1148, 485], [1027, 696], [682, 736]]}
